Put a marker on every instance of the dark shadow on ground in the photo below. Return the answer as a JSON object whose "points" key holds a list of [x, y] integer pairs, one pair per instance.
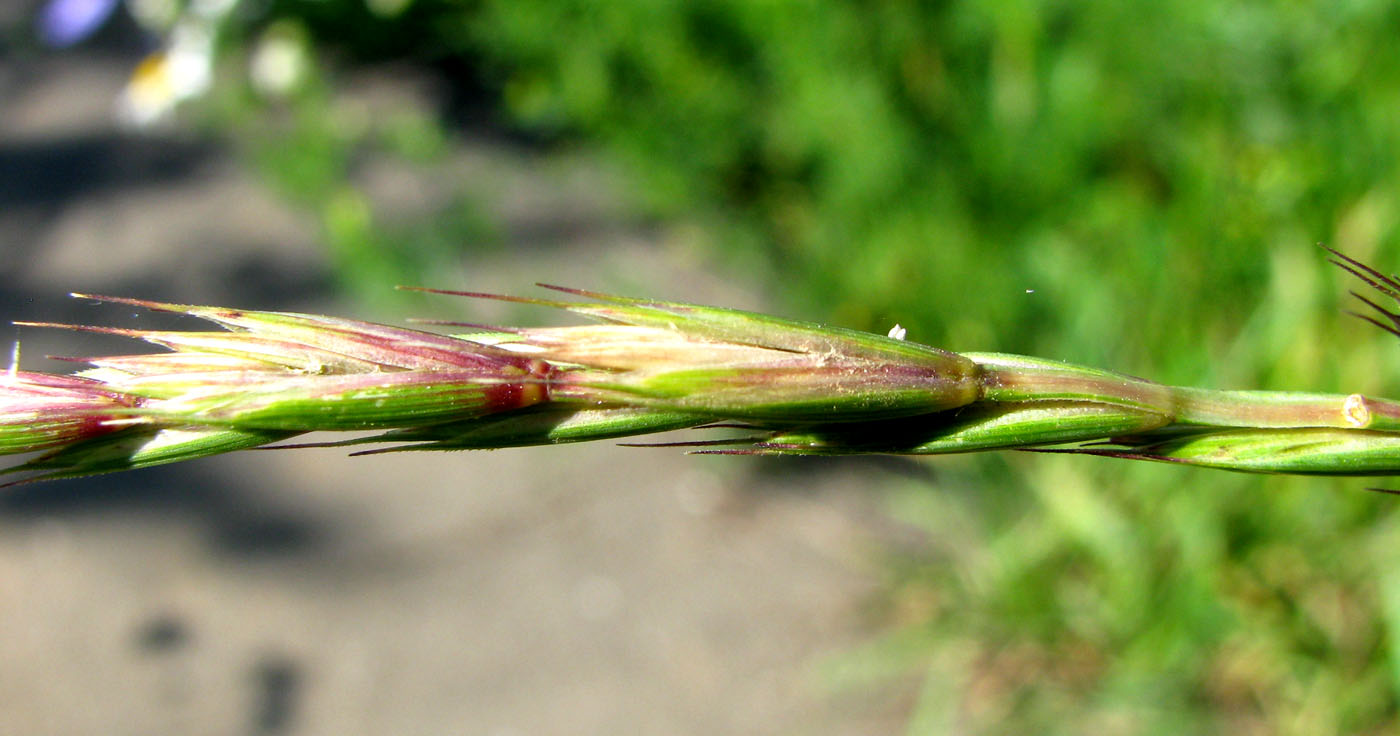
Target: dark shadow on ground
{"points": [[47, 173], [240, 522]]}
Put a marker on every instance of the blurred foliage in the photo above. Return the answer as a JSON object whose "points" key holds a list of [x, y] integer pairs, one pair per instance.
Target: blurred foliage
{"points": [[1132, 185], [308, 144]]}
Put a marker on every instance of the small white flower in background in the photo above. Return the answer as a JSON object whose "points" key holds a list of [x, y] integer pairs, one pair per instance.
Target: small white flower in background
{"points": [[156, 16], [182, 71], [280, 60]]}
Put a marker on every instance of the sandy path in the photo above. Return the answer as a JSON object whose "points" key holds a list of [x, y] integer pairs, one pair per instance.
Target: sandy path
{"points": [[558, 591]]}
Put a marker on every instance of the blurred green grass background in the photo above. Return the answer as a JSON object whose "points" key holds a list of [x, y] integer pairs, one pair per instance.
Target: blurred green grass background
{"points": [[1139, 186]]}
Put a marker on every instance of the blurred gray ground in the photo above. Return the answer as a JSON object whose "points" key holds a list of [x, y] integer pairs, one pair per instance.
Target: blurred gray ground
{"points": [[571, 590]]}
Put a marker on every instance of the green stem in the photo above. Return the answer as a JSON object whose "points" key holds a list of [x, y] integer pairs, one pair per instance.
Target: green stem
{"points": [[1020, 378], [1284, 409]]}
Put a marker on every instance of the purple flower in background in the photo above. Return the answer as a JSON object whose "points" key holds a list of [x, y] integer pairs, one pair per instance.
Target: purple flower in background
{"points": [[63, 23]]}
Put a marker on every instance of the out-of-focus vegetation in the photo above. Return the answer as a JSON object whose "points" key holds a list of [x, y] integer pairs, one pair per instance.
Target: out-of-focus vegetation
{"points": [[1132, 185]]}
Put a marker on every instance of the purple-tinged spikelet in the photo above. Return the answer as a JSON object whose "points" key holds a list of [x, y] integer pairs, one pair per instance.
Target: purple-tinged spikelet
{"points": [[39, 411]]}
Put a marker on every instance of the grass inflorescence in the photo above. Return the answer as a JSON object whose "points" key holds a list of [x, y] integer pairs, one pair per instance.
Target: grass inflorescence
{"points": [[791, 388]]}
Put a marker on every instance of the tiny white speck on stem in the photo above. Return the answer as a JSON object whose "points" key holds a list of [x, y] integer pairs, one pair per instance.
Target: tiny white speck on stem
{"points": [[897, 332]]}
